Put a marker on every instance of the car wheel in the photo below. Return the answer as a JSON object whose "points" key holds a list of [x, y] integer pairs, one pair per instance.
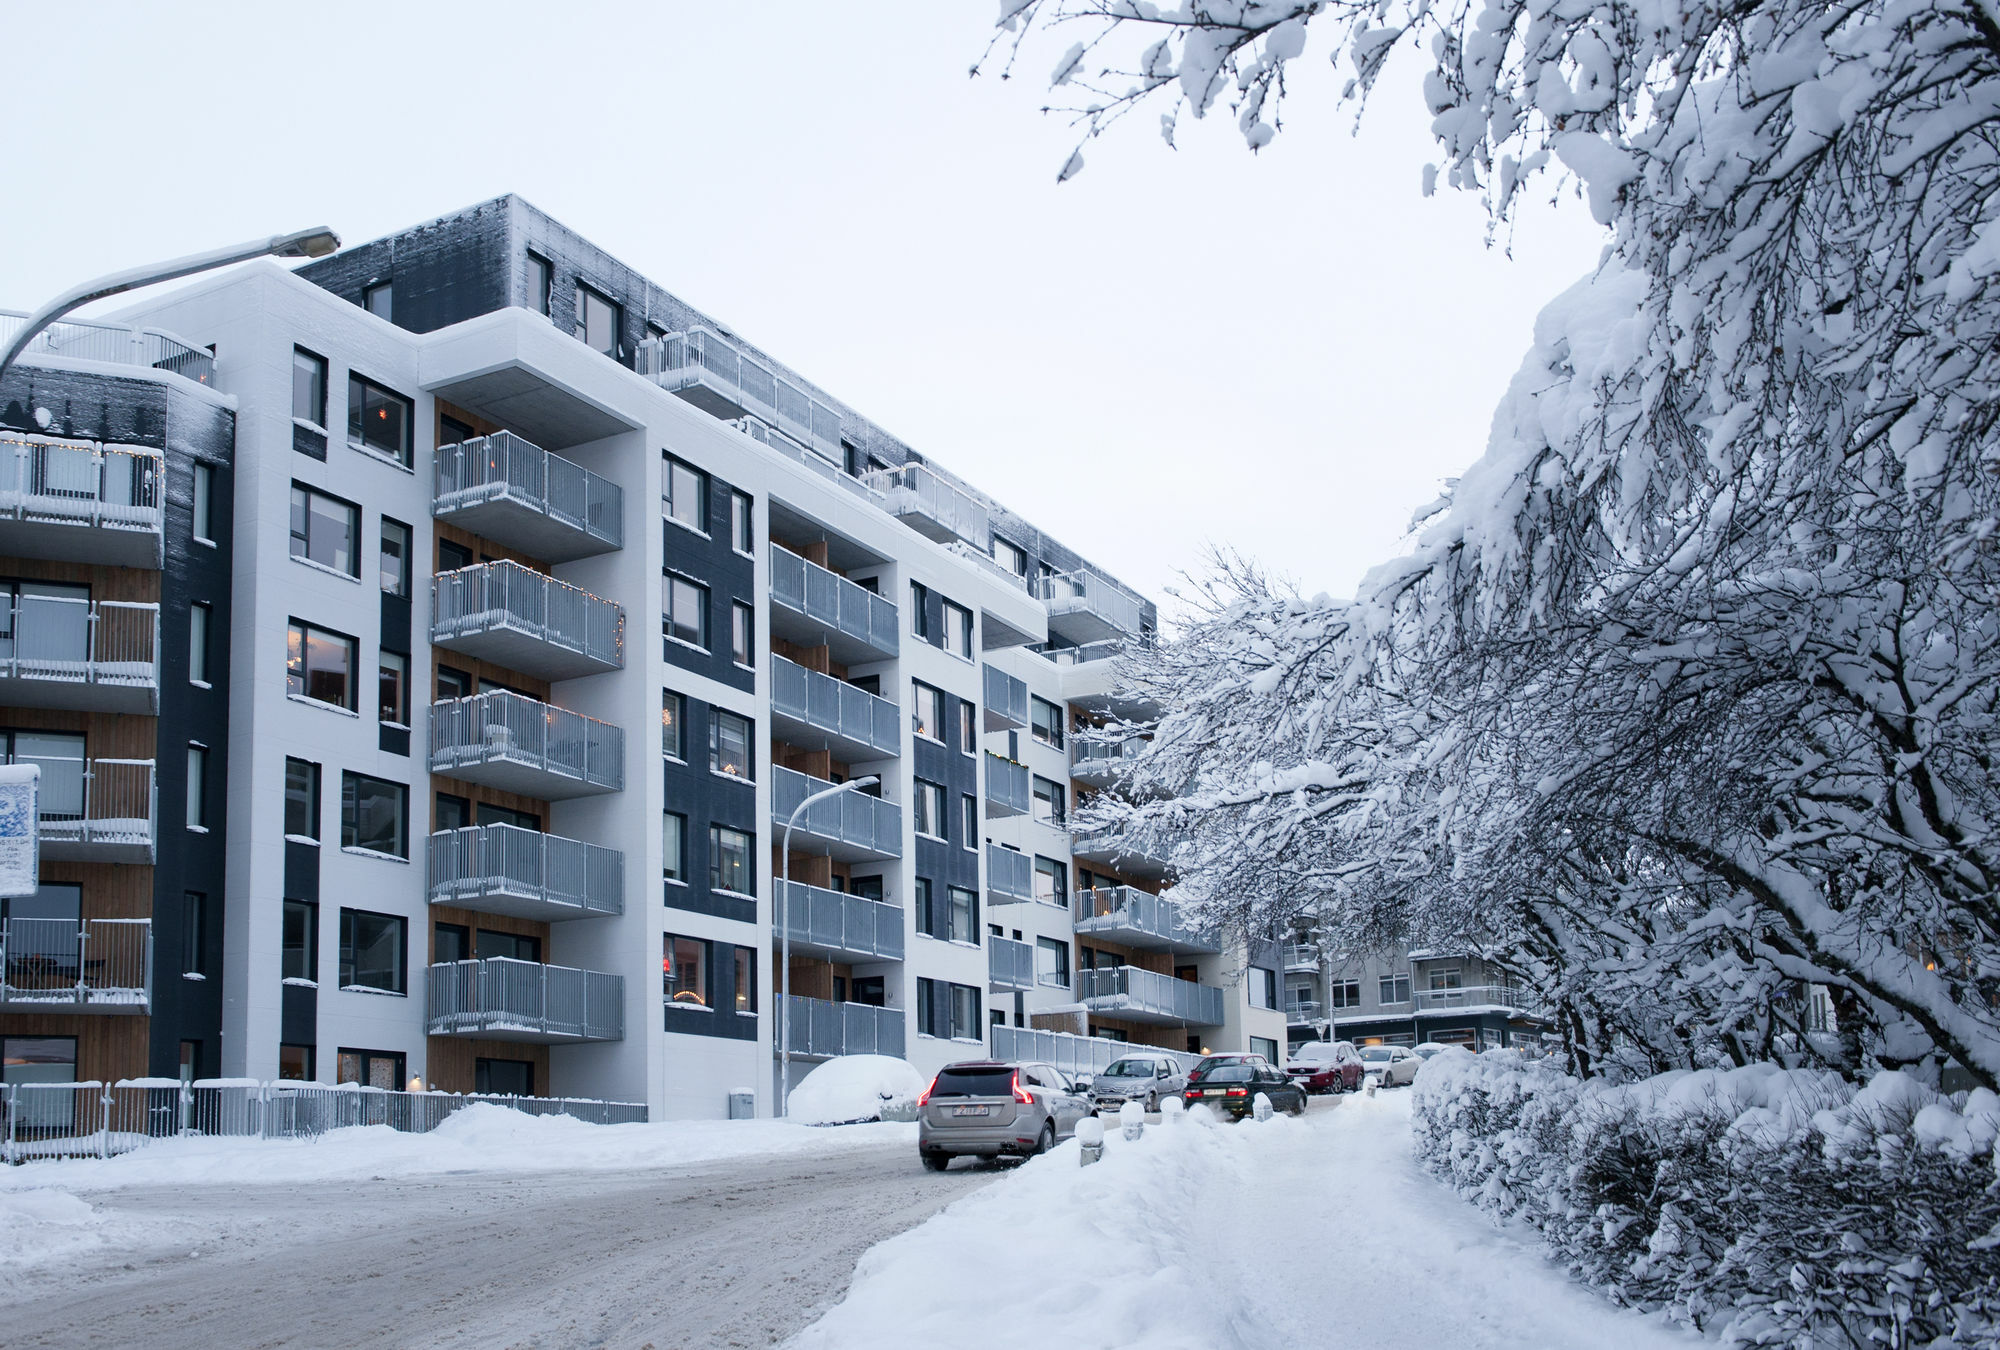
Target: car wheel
{"points": [[936, 1162], [1337, 1086], [1048, 1139]]}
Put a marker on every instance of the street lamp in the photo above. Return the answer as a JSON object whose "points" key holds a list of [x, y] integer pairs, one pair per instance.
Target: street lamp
{"points": [[785, 938], [315, 243]]}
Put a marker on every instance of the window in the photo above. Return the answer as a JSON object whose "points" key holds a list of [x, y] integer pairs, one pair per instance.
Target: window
{"points": [[490, 814], [194, 933], [453, 683], [319, 665], [686, 619], [197, 788], [374, 815], [1445, 978], [308, 387], [1263, 988], [597, 321], [295, 1062], [927, 808], [673, 725], [964, 914], [968, 727], [746, 979], [920, 619], [1393, 988], [380, 299], [452, 556], [372, 951], [395, 558], [1046, 720], [927, 710], [378, 420], [684, 494], [453, 812], [729, 744], [492, 944], [198, 617], [1052, 963], [1347, 994], [742, 632], [684, 970], [301, 798], [451, 431], [60, 755], [324, 530], [1051, 881], [203, 527], [372, 1068], [450, 943], [298, 955], [394, 680], [958, 630], [41, 1059], [1265, 1046], [541, 281], [503, 1077], [927, 919], [1049, 801], [673, 846], [729, 860], [968, 821], [740, 530], [948, 1010], [1010, 556]]}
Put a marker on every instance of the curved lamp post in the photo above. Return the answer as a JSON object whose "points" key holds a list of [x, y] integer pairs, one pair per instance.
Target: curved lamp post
{"points": [[785, 938]]}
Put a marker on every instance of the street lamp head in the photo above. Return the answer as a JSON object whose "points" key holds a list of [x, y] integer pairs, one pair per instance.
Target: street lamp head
{"points": [[306, 244], [870, 781]]}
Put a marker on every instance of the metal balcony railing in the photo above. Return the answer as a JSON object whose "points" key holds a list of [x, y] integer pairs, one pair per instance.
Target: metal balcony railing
{"points": [[527, 621], [1132, 853], [931, 505], [1009, 964], [60, 652], [517, 743], [840, 606], [821, 1029], [1088, 652], [521, 495], [95, 810], [505, 869], [1147, 995], [1137, 919], [1070, 1053], [1008, 790], [1301, 1011], [80, 501], [1010, 876], [701, 359], [850, 824], [1085, 607], [1301, 956], [1475, 996], [1102, 761], [852, 927], [121, 344], [864, 725], [522, 1000], [63, 965], [1006, 700]]}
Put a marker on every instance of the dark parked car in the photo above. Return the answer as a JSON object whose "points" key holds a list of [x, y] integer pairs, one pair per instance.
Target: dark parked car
{"points": [[1326, 1066], [991, 1108], [1208, 1062], [1233, 1089]]}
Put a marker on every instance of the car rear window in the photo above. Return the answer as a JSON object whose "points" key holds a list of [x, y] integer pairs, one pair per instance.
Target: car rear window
{"points": [[974, 1083], [1229, 1073]]}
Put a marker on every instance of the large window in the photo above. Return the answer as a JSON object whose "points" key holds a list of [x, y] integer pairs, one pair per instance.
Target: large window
{"points": [[379, 420], [927, 710], [372, 1068], [673, 725], [686, 617], [958, 630], [60, 756], [964, 914], [298, 956], [1394, 988], [301, 798], [948, 1010], [740, 527], [730, 860], [324, 530], [1051, 881], [1052, 963], [374, 815], [1049, 801], [295, 1062], [1047, 721], [673, 846], [319, 665], [927, 808], [395, 557], [1010, 556], [308, 387], [730, 741], [742, 633], [394, 682], [1263, 987], [684, 971], [597, 320], [372, 951], [503, 1077], [684, 494], [1347, 994], [746, 979]]}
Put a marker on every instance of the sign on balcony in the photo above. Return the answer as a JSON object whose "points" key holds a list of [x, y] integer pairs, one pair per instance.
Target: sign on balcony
{"points": [[20, 835]]}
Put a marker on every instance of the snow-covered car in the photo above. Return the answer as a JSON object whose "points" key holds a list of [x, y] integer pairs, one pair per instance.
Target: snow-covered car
{"points": [[1325, 1066], [1145, 1079], [1425, 1050], [849, 1089], [991, 1108], [1390, 1065]]}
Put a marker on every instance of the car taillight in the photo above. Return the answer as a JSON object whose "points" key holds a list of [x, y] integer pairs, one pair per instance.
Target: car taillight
{"points": [[1239, 1092], [925, 1095], [1022, 1094]]}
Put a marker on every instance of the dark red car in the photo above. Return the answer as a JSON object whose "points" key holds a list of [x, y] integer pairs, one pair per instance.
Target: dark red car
{"points": [[1326, 1067]]}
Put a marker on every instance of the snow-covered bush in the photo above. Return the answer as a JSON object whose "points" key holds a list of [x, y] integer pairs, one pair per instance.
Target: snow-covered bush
{"points": [[1773, 1206], [853, 1088]]}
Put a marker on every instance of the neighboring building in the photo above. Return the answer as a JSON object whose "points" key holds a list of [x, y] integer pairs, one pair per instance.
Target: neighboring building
{"points": [[1449, 998], [457, 856]]}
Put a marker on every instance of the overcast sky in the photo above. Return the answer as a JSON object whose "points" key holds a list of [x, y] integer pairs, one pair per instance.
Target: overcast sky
{"points": [[1283, 353]]}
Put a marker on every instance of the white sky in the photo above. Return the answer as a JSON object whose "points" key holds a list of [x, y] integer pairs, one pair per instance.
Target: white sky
{"points": [[1283, 353]]}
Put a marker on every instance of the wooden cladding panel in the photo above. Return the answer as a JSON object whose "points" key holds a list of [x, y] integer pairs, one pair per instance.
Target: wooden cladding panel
{"points": [[452, 1066]]}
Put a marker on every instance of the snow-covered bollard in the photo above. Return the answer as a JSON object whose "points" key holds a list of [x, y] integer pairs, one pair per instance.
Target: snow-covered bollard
{"points": [[1373, 1083], [1090, 1138], [1173, 1111], [1132, 1119], [1261, 1108]]}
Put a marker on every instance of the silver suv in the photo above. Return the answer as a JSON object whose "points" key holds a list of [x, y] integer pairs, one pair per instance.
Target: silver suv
{"points": [[1146, 1079], [990, 1108]]}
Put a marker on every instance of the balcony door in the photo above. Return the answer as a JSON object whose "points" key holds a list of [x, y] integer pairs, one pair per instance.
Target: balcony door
{"points": [[45, 625], [60, 757], [44, 943]]}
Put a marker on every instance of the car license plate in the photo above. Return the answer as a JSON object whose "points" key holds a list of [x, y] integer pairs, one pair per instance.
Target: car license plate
{"points": [[1215, 1092], [969, 1110]]}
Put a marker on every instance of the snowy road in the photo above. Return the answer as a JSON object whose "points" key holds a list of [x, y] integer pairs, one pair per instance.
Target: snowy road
{"points": [[736, 1253]]}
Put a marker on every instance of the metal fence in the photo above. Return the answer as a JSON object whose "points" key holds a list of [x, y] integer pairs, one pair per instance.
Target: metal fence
{"points": [[831, 599], [841, 922], [1010, 964], [1072, 1054], [853, 818], [116, 342], [480, 861], [97, 1120], [916, 490], [80, 482], [69, 640], [500, 993], [57, 964], [835, 706], [506, 595], [1130, 989], [502, 725], [824, 1029], [87, 803], [700, 356], [503, 466]]}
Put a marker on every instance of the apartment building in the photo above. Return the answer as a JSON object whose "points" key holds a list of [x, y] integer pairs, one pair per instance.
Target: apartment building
{"points": [[1407, 997], [454, 853]]}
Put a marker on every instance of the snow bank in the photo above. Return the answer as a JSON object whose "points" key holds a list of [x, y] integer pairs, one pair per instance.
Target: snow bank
{"points": [[43, 1226], [853, 1088]]}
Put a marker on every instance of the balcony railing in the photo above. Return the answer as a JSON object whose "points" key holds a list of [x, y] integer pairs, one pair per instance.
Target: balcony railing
{"points": [[820, 1029], [1475, 996], [1131, 853], [1147, 996], [852, 826], [1085, 607], [716, 375], [504, 869], [63, 965], [1298, 1012], [120, 344], [1072, 1054], [929, 504], [95, 810], [838, 925], [1085, 653], [1010, 876], [1009, 964], [853, 621], [517, 617], [1008, 791], [519, 744], [1006, 701], [1133, 918], [1100, 762], [511, 1000], [59, 652], [1301, 956], [519, 494], [826, 713], [78, 501]]}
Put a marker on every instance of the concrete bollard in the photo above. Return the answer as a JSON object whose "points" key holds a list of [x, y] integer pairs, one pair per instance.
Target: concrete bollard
{"points": [[1261, 1108], [1173, 1111], [1090, 1138], [1132, 1119]]}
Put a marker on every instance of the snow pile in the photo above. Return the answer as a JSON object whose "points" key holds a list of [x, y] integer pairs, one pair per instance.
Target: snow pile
{"points": [[42, 1226], [853, 1088], [1773, 1206]]}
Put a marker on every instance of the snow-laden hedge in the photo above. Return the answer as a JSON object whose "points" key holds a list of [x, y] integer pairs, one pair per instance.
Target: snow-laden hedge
{"points": [[1772, 1207]]}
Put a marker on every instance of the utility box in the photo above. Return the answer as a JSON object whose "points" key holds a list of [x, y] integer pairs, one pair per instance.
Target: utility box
{"points": [[742, 1105]]}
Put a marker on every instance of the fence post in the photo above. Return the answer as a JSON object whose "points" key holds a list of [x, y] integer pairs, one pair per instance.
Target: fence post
{"points": [[104, 1122], [186, 1096], [8, 1096]]}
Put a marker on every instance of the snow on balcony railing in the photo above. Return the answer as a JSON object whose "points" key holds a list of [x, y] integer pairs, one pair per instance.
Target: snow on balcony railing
{"points": [[828, 598], [499, 994], [702, 357], [52, 481], [916, 490], [121, 344], [1083, 591], [1089, 758], [838, 921], [474, 864], [64, 964], [1300, 1011], [1475, 996], [502, 466], [1301, 956], [835, 707], [822, 1029], [505, 595], [94, 803], [70, 640], [1111, 910]]}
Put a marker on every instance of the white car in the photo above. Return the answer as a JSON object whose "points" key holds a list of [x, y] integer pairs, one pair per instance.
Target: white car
{"points": [[1390, 1065]]}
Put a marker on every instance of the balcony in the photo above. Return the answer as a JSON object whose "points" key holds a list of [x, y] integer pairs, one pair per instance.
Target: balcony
{"points": [[78, 501], [520, 495], [1301, 1012], [1102, 763], [813, 607], [836, 926], [931, 505], [1010, 876], [516, 617], [95, 810], [60, 652], [1138, 921], [63, 965], [1477, 998], [820, 1029], [1008, 791], [853, 826], [1006, 701], [1301, 956], [519, 744], [116, 343], [818, 712], [504, 869], [1085, 607], [1113, 847], [504, 999], [713, 373], [1147, 996], [1010, 965]]}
